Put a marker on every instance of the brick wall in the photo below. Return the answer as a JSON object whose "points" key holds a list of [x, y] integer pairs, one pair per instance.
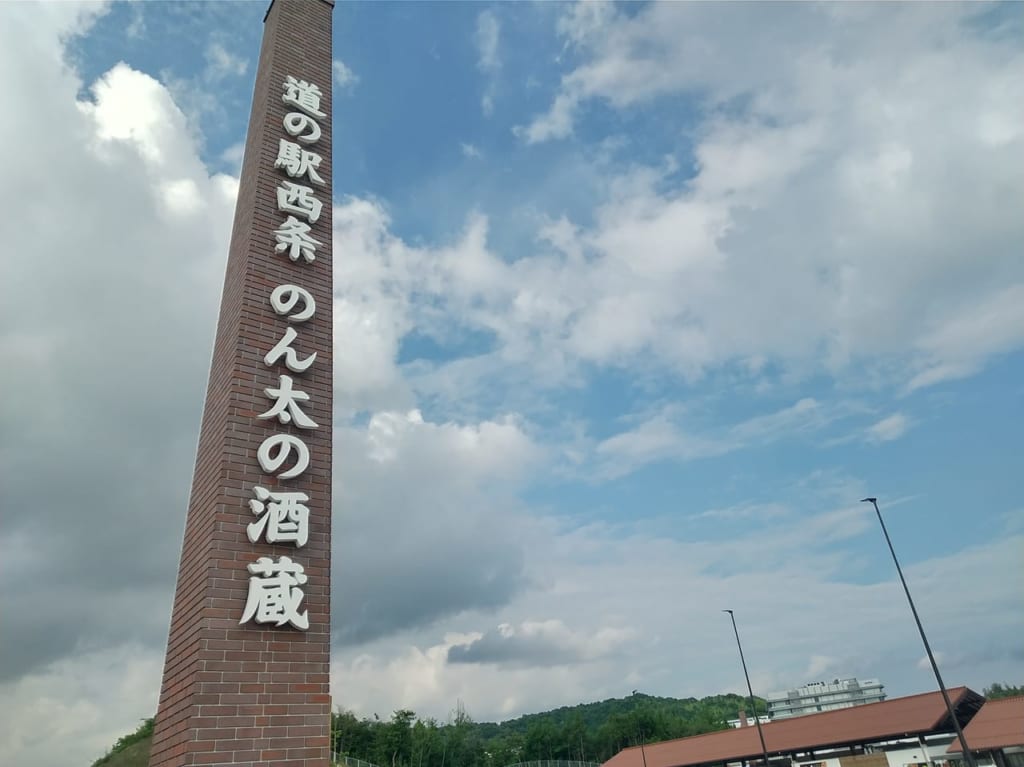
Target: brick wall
{"points": [[255, 694]]}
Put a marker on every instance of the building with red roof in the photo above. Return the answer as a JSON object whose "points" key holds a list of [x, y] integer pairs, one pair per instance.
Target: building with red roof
{"points": [[996, 733], [913, 731]]}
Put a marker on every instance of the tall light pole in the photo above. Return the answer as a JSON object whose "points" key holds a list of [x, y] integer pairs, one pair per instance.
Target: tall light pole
{"points": [[753, 705], [640, 731], [968, 756]]}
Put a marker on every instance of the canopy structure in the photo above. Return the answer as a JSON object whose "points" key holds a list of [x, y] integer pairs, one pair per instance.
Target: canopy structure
{"points": [[912, 716], [999, 724]]}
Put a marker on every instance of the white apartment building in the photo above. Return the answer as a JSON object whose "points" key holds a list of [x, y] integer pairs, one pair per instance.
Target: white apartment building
{"points": [[824, 696]]}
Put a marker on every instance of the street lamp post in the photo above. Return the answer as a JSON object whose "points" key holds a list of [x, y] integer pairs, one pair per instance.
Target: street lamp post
{"points": [[640, 731], [968, 756], [753, 705]]}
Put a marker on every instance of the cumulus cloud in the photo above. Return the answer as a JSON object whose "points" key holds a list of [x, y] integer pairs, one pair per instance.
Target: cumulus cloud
{"points": [[448, 537], [342, 75], [537, 644], [74, 710], [107, 322], [116, 358], [608, 639], [142, 224], [827, 216]]}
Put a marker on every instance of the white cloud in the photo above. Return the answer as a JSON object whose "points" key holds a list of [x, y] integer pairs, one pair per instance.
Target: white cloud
{"points": [[342, 75], [762, 260], [889, 428], [557, 123], [452, 528], [220, 63], [596, 578], [487, 37], [537, 644], [74, 710], [127, 230], [371, 307], [470, 150], [137, 26], [233, 156], [960, 346], [924, 664], [488, 31], [673, 434], [830, 226]]}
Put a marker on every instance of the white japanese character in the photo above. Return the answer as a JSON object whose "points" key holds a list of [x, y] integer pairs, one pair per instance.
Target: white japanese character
{"points": [[285, 517], [293, 236], [284, 298], [274, 593], [283, 348], [286, 406], [296, 122], [303, 95], [297, 161], [274, 451], [296, 198]]}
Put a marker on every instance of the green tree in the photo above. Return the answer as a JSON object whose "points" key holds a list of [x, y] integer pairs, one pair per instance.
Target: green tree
{"points": [[997, 691], [352, 736], [394, 740], [425, 742], [574, 737]]}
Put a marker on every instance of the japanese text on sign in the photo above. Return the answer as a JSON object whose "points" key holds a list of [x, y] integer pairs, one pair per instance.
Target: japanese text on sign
{"points": [[282, 517]]}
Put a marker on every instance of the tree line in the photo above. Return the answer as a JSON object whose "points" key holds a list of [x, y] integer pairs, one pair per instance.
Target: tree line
{"points": [[997, 691], [592, 732]]}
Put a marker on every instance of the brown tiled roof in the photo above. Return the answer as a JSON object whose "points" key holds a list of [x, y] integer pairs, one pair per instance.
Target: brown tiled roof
{"points": [[999, 724], [890, 719]]}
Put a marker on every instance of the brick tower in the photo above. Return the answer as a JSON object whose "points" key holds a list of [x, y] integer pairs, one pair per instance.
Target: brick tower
{"points": [[246, 675]]}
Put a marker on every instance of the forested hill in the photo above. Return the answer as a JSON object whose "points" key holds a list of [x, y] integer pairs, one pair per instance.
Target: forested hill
{"points": [[714, 709], [587, 732], [591, 732]]}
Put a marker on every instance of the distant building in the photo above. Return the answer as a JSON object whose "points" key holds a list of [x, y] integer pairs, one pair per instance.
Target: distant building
{"points": [[746, 720], [824, 696]]}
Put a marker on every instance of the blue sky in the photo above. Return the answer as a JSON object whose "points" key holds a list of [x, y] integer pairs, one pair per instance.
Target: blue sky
{"points": [[634, 303]]}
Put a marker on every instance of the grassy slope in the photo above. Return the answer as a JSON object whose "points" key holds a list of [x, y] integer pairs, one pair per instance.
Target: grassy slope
{"points": [[135, 755]]}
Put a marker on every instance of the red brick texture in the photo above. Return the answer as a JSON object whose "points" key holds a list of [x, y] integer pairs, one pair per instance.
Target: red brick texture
{"points": [[255, 694]]}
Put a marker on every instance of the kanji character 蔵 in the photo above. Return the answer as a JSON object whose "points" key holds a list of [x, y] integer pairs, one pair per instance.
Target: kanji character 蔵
{"points": [[274, 593]]}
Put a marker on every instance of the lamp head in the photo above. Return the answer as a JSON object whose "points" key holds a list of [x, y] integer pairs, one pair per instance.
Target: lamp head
{"points": [[727, 611], [869, 500]]}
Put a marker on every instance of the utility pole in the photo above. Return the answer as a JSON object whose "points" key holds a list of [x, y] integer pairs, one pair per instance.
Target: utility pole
{"points": [[968, 756], [753, 705]]}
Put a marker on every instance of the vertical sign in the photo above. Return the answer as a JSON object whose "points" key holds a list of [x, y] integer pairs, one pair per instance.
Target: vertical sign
{"points": [[246, 675]]}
